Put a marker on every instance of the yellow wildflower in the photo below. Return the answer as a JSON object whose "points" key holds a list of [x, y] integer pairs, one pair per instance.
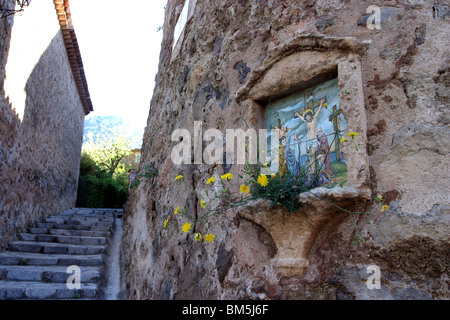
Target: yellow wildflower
{"points": [[353, 135], [245, 189], [227, 176], [274, 176], [378, 198], [197, 236], [178, 178], [263, 180], [177, 209], [265, 165], [210, 237], [384, 208], [343, 140], [186, 227], [166, 222], [211, 180], [203, 204], [325, 105]]}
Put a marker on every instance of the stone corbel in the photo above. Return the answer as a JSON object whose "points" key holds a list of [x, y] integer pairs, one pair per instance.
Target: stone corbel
{"points": [[294, 234]]}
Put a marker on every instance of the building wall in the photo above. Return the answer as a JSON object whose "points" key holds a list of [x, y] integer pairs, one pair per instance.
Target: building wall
{"points": [[41, 120], [394, 82]]}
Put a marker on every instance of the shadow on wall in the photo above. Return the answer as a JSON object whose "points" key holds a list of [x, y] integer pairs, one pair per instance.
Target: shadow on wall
{"points": [[39, 157]]}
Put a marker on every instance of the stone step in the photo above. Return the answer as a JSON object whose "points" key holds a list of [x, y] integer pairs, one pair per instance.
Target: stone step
{"points": [[91, 213], [79, 220], [69, 232], [52, 225], [55, 248], [62, 239], [83, 217], [53, 274], [15, 290], [35, 267], [42, 259]]}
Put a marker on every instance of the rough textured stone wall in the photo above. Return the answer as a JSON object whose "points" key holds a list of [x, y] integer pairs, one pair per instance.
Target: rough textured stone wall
{"points": [[41, 120], [230, 55]]}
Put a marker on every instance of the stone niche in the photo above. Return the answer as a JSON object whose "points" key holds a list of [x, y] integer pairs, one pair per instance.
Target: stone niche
{"points": [[296, 66]]}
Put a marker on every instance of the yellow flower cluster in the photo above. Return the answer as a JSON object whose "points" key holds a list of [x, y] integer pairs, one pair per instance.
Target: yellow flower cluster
{"points": [[352, 135], [379, 199], [198, 236], [245, 189], [263, 180], [186, 227], [210, 237], [227, 176]]}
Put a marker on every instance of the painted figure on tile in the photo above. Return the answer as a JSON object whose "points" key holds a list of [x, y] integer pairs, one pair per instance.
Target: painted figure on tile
{"points": [[292, 154], [323, 153], [310, 118]]}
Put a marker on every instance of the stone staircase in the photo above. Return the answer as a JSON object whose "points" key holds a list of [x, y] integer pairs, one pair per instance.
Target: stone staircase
{"points": [[36, 266]]}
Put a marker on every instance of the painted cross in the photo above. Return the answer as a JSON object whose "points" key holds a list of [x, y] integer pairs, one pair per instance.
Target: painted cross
{"points": [[281, 129], [311, 104], [334, 118]]}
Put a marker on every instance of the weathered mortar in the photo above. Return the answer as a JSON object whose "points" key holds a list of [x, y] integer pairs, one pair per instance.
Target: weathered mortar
{"points": [[213, 76], [40, 144]]}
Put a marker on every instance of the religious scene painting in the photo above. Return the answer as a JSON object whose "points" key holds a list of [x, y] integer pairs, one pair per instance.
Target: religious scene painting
{"points": [[310, 125]]}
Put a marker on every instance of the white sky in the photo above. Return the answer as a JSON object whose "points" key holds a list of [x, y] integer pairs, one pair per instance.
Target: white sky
{"points": [[120, 49]]}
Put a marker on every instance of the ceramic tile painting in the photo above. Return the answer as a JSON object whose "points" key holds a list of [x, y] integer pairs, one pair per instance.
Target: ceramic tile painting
{"points": [[310, 125]]}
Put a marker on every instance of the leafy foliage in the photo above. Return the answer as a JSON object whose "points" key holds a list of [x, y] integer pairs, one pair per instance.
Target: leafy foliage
{"points": [[103, 181], [108, 151], [150, 172], [87, 164], [101, 192], [282, 191]]}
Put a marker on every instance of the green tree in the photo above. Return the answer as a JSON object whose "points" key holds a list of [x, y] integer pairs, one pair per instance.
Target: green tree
{"points": [[108, 151], [87, 165]]}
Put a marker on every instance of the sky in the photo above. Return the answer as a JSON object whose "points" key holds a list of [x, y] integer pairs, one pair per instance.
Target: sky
{"points": [[120, 45]]}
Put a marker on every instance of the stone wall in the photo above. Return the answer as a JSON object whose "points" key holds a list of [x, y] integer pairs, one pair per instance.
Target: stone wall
{"points": [[232, 57], [41, 120]]}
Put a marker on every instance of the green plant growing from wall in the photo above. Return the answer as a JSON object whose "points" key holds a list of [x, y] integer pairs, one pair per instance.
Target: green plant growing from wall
{"points": [[150, 172]]}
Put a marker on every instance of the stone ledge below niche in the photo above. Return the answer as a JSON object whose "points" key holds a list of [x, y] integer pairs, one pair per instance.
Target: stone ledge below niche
{"points": [[294, 234]]}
